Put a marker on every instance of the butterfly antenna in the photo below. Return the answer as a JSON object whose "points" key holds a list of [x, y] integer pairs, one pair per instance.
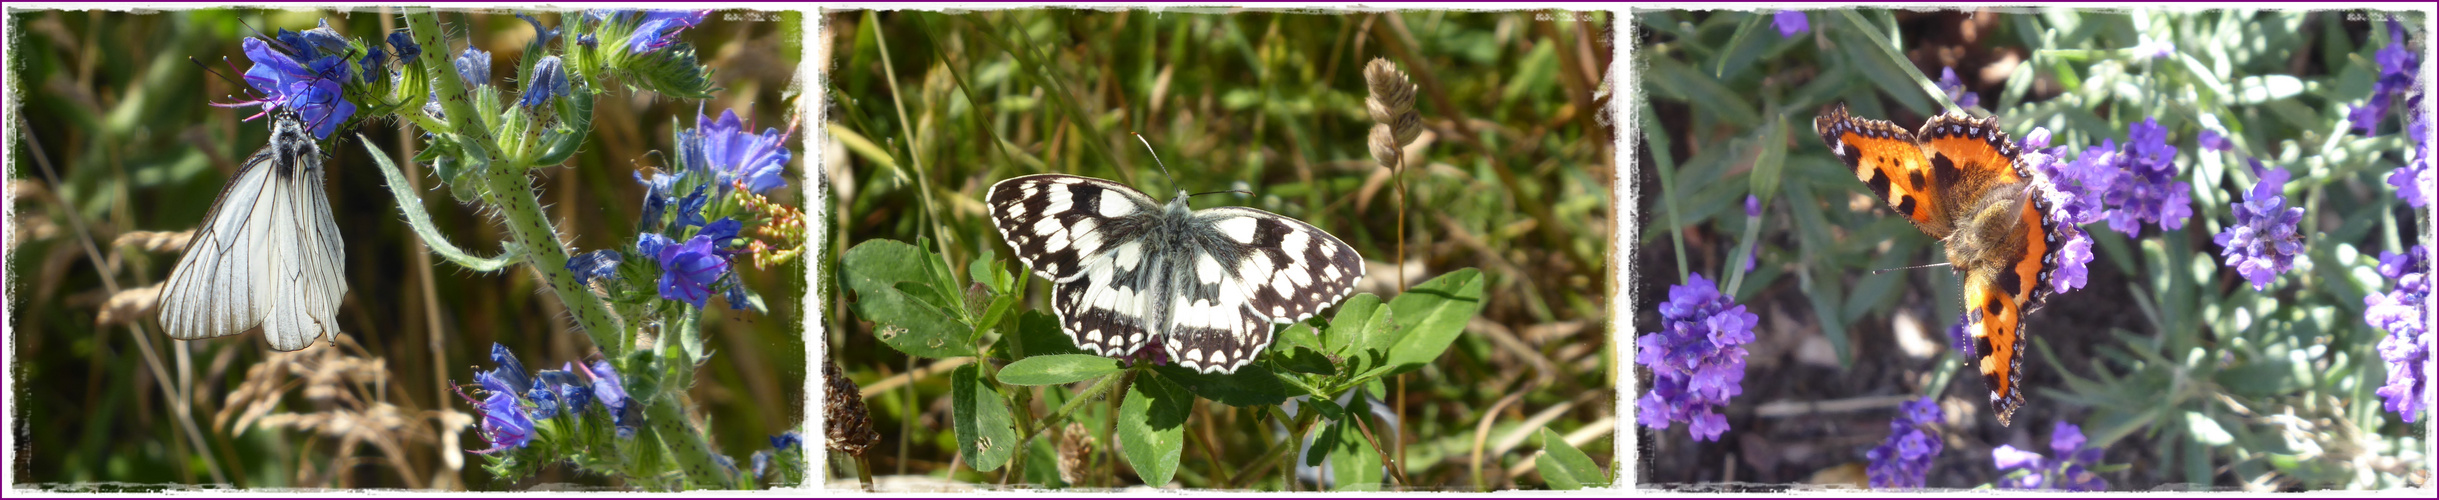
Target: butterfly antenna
{"points": [[1164, 167], [1924, 266]]}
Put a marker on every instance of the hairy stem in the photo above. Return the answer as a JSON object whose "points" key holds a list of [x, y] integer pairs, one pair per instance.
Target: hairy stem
{"points": [[693, 454]]}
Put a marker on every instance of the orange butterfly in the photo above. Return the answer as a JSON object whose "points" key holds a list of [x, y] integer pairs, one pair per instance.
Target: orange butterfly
{"points": [[1957, 179]]}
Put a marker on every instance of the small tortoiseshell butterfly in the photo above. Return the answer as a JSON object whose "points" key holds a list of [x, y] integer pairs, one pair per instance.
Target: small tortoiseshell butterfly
{"points": [[1957, 180]]}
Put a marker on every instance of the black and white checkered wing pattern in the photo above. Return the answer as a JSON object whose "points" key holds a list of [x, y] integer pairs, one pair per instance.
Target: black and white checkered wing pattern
{"points": [[1067, 228], [1253, 269]]}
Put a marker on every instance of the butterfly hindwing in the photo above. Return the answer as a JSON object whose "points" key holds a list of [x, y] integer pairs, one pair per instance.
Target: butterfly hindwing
{"points": [[1994, 320]]}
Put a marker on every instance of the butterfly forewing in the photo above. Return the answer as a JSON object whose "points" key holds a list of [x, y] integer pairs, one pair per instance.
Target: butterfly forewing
{"points": [[1205, 286], [267, 255]]}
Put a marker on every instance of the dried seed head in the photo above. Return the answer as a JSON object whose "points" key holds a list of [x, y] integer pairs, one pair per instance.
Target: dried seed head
{"points": [[1392, 93], [1384, 145], [1407, 127], [1074, 448], [849, 426]]}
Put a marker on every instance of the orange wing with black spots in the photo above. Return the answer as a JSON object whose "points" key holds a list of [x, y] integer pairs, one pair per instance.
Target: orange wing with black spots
{"points": [[1957, 179], [1889, 161]]}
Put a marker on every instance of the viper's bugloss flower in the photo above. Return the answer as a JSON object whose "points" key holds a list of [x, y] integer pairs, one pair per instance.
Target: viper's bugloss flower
{"points": [[595, 265], [2263, 243], [1790, 22], [575, 394], [505, 423], [1905, 458], [2147, 190], [507, 376], [1697, 359], [403, 43], [2403, 312], [784, 441], [2413, 180], [660, 190], [542, 35], [659, 29], [549, 80], [474, 66], [1955, 88], [311, 87], [611, 390], [687, 269], [736, 155], [690, 208], [316, 43], [2070, 470]]}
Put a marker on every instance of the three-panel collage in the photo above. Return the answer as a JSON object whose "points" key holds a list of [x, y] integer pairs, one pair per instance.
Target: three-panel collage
{"points": [[1587, 250]]}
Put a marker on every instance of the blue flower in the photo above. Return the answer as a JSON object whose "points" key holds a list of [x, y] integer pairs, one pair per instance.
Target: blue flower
{"points": [[607, 386], [2263, 243], [737, 156], [732, 289], [1905, 458], [786, 440], [2147, 190], [762, 463], [505, 422], [2403, 312], [508, 377], [542, 36], [1697, 359], [660, 190], [474, 66], [595, 265], [659, 29], [1955, 88], [549, 80], [404, 44], [688, 269], [310, 89], [1790, 22], [2070, 470], [566, 387], [690, 208], [2212, 141], [371, 65]]}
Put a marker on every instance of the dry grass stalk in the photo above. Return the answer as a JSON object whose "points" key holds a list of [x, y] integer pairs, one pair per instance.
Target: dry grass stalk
{"points": [[347, 394]]}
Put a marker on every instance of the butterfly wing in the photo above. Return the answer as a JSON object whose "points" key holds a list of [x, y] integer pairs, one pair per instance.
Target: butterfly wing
{"points": [[1888, 160], [1258, 269], [1101, 284], [1972, 159], [268, 253]]}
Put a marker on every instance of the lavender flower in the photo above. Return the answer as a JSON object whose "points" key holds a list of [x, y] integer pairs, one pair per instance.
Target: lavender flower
{"points": [[549, 80], [1790, 22], [2403, 313], [2212, 141], [726, 148], [2070, 471], [2154, 48], [2397, 67], [2413, 179], [1955, 88], [1752, 216], [311, 87], [1905, 458], [2263, 243], [2148, 190], [2073, 197], [1697, 359]]}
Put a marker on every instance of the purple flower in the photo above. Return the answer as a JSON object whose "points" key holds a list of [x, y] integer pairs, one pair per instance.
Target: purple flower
{"points": [[660, 191], [2148, 190], [542, 36], [1697, 359], [505, 423], [566, 386], [2413, 179], [1955, 88], [403, 43], [2397, 67], [2263, 243], [2154, 48], [473, 66], [610, 389], [2212, 141], [1903, 460], [784, 441], [1790, 22], [2073, 198], [508, 377], [659, 29], [2403, 312], [687, 269], [311, 89], [549, 79], [2070, 471], [736, 155]]}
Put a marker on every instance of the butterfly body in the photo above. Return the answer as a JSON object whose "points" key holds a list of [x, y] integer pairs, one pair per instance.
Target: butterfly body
{"points": [[268, 253], [1204, 286], [1957, 180]]}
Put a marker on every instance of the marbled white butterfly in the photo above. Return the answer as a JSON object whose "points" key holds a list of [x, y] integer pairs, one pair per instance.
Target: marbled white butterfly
{"points": [[1205, 284]]}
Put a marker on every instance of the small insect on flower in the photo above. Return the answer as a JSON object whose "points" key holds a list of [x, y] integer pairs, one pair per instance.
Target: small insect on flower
{"points": [[268, 253], [1204, 286]]}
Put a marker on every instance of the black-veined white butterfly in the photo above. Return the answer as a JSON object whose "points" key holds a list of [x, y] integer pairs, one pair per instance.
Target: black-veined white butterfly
{"points": [[268, 253]]}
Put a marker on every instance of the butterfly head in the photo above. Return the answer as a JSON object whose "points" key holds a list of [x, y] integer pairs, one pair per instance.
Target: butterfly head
{"points": [[292, 140]]}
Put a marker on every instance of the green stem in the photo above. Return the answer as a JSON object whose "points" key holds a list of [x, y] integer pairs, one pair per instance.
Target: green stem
{"points": [[693, 453], [1059, 416]]}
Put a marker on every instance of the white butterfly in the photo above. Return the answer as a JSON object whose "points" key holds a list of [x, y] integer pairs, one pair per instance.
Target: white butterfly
{"points": [[267, 254], [1205, 284]]}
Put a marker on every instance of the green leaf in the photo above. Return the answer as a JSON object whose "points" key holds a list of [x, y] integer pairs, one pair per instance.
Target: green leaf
{"points": [[1359, 334], [1301, 359], [1152, 428], [1038, 334], [1057, 369], [1567, 468], [1355, 465], [986, 434], [875, 271], [1253, 385], [1430, 316], [2206, 431]]}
